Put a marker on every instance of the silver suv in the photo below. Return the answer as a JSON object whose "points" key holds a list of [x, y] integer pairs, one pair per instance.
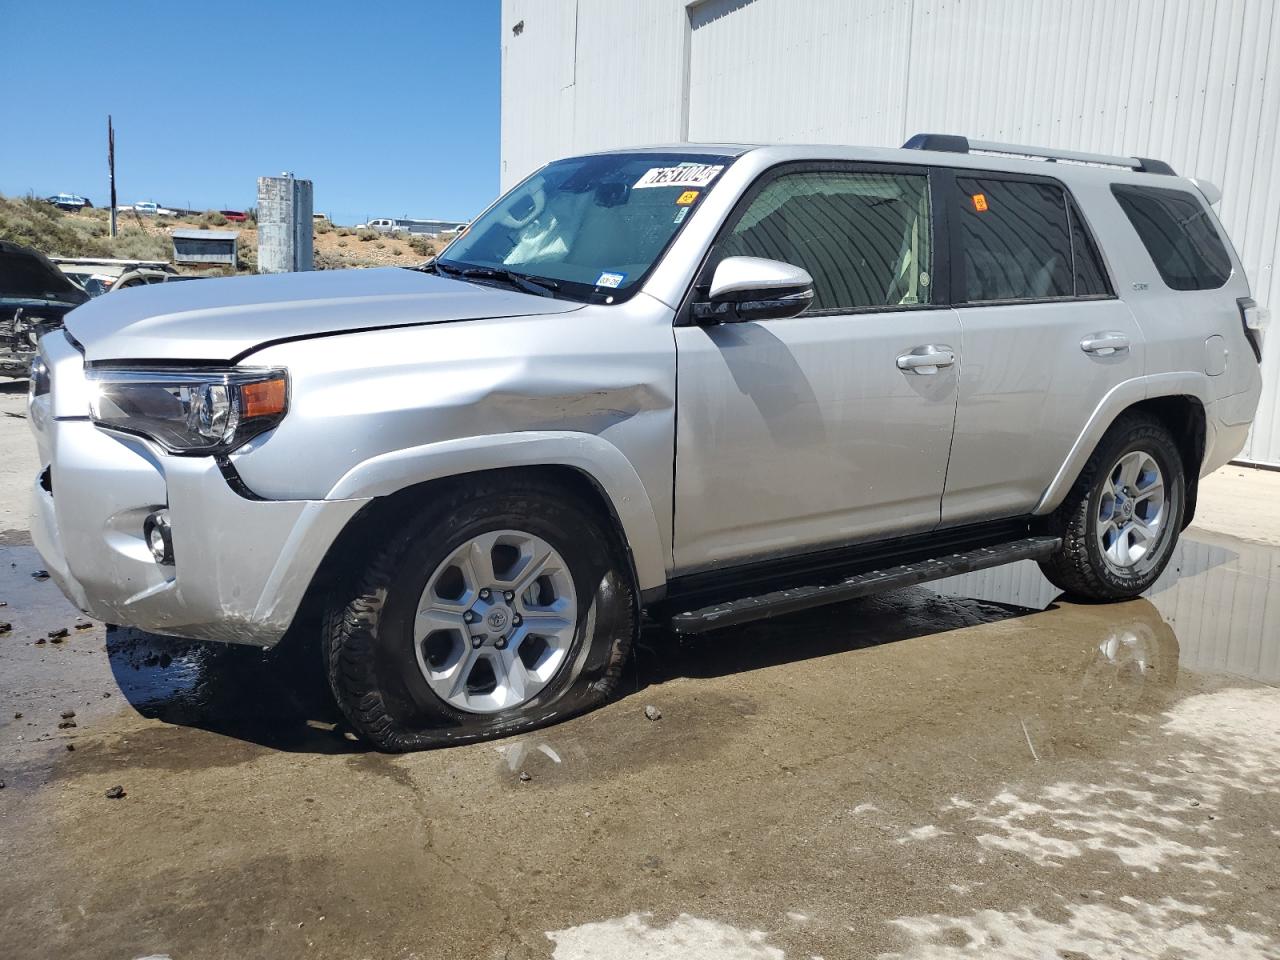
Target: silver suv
{"points": [[706, 383]]}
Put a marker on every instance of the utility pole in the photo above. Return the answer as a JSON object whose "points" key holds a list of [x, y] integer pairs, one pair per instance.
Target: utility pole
{"points": [[111, 168]]}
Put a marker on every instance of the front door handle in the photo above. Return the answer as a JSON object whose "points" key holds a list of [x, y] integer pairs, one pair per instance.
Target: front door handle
{"points": [[927, 360], [1105, 344]]}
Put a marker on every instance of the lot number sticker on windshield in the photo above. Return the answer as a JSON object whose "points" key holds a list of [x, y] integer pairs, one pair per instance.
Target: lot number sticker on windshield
{"points": [[697, 175], [610, 279]]}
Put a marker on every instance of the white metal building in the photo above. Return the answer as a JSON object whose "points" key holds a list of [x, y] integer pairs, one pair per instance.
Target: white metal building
{"points": [[1195, 83]]}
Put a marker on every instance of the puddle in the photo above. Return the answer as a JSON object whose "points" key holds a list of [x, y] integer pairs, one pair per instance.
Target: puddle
{"points": [[275, 698], [1221, 600]]}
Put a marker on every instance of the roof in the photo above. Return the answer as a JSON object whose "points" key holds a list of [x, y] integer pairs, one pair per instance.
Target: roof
{"points": [[979, 159], [205, 234]]}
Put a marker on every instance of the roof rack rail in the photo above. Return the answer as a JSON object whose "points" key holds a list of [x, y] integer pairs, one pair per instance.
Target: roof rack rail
{"points": [[951, 143]]}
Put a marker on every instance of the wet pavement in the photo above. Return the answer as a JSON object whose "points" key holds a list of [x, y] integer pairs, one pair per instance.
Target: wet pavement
{"points": [[974, 770]]}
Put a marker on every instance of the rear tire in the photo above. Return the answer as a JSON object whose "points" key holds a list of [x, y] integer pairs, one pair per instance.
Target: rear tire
{"points": [[409, 672], [1120, 522]]}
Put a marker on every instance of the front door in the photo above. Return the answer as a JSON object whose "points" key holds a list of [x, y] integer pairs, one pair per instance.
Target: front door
{"points": [[833, 426]]}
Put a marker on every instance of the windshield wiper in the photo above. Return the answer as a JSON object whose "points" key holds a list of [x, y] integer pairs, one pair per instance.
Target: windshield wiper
{"points": [[540, 286]]}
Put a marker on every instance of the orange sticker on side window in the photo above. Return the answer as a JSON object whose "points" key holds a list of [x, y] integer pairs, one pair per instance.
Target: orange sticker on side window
{"points": [[980, 202], [687, 198]]}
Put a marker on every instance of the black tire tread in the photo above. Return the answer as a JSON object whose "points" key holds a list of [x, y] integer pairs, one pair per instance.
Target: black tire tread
{"points": [[350, 632]]}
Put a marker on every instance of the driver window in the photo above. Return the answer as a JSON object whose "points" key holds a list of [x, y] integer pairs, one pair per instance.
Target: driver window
{"points": [[863, 237]]}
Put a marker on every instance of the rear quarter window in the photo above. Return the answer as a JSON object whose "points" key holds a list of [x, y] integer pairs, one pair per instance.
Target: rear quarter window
{"points": [[1179, 235]]}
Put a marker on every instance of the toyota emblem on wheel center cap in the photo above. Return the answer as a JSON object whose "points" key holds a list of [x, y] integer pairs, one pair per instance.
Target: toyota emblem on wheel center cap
{"points": [[497, 619]]}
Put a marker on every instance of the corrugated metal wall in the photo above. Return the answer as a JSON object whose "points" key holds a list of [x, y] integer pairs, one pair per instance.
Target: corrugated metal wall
{"points": [[1192, 82]]}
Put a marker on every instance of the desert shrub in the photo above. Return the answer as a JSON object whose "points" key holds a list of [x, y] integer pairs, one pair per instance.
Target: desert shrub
{"points": [[35, 223], [212, 218], [365, 235], [422, 246], [138, 245], [342, 243], [379, 245], [323, 226]]}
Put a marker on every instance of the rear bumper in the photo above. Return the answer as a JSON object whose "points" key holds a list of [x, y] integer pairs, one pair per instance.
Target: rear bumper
{"points": [[1227, 423], [241, 566]]}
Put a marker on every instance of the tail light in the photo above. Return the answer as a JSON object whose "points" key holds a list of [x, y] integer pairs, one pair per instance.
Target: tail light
{"points": [[1255, 320]]}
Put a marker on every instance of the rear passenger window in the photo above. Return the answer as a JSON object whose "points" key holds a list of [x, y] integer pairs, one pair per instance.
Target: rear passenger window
{"points": [[863, 237], [1178, 233], [1091, 276], [1016, 240]]}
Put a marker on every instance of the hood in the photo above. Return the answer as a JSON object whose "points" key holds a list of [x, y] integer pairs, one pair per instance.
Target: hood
{"points": [[223, 319], [26, 274]]}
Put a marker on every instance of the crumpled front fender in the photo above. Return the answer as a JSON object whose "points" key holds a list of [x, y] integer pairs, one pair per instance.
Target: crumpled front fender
{"points": [[591, 455]]}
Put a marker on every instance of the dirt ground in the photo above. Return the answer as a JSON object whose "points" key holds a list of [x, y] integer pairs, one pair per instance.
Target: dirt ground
{"points": [[977, 770]]}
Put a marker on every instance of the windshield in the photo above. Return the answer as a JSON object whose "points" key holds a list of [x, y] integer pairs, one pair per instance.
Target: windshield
{"points": [[594, 226]]}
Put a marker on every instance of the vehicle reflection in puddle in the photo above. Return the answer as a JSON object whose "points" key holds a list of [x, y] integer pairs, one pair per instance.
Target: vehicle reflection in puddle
{"points": [[1220, 599]]}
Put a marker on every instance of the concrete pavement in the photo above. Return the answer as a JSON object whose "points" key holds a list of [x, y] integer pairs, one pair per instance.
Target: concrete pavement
{"points": [[975, 770]]}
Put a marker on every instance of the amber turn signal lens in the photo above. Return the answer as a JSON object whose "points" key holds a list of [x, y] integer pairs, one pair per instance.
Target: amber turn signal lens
{"points": [[263, 399]]}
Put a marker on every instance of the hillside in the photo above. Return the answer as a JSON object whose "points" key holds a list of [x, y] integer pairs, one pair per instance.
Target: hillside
{"points": [[59, 234]]}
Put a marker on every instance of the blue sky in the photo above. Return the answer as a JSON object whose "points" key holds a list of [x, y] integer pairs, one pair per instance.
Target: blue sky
{"points": [[391, 108]]}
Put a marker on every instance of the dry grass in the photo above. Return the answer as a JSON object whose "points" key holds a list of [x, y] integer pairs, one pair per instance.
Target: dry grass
{"points": [[37, 224]]}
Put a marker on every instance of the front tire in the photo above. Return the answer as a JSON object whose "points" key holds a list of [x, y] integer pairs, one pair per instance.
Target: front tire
{"points": [[502, 606], [1120, 522]]}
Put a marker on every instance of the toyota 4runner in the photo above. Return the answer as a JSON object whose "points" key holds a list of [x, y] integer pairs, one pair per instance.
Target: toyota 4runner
{"points": [[703, 383]]}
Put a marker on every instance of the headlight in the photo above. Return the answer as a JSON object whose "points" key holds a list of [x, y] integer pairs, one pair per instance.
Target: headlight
{"points": [[190, 411], [38, 377]]}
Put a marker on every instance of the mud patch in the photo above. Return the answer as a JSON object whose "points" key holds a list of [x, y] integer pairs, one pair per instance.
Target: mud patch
{"points": [[619, 739], [172, 749]]}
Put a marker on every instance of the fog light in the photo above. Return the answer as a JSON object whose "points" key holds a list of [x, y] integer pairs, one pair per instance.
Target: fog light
{"points": [[155, 530]]}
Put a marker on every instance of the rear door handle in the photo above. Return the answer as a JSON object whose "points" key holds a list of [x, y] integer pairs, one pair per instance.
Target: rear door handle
{"points": [[927, 360], [1105, 344]]}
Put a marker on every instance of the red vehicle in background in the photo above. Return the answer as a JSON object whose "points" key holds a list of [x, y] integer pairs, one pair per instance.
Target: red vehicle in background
{"points": [[235, 216]]}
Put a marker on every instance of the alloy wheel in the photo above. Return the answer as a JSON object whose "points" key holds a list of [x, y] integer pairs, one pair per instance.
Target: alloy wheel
{"points": [[495, 621], [1132, 512]]}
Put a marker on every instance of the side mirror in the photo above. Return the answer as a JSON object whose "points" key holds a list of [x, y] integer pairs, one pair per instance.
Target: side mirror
{"points": [[752, 288]]}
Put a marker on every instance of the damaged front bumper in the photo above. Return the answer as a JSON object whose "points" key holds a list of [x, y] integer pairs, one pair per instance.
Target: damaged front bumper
{"points": [[240, 565]]}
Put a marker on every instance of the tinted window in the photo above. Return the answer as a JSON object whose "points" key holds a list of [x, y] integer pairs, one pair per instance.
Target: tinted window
{"points": [[863, 237], [1178, 233], [1016, 240], [1091, 277]]}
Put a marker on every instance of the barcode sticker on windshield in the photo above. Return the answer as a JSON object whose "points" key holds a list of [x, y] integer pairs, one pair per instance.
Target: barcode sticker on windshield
{"points": [[686, 175]]}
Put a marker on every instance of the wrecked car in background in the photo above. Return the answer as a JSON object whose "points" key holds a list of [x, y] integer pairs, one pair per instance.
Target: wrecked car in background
{"points": [[99, 276], [68, 201], [34, 297]]}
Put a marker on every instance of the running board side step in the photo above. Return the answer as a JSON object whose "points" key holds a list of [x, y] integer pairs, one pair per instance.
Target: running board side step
{"points": [[793, 599]]}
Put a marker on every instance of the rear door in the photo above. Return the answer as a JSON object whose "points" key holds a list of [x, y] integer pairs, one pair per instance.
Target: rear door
{"points": [[1042, 334], [828, 427]]}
